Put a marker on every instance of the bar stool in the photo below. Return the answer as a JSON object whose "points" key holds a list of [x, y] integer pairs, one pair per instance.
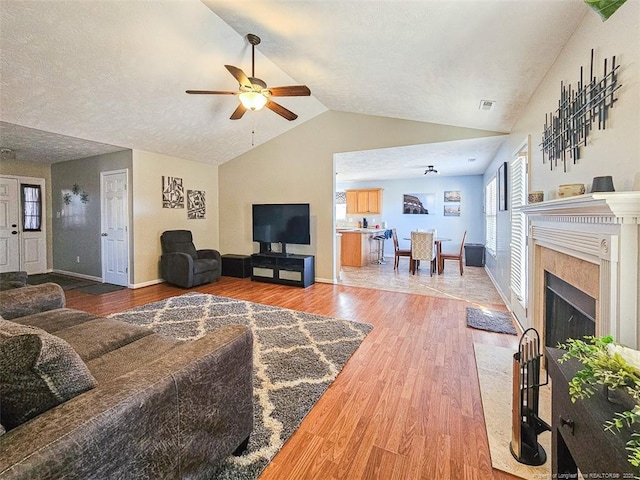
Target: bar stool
{"points": [[380, 246]]}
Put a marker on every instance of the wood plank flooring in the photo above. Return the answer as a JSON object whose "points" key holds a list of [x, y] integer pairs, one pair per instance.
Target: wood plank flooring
{"points": [[407, 404]]}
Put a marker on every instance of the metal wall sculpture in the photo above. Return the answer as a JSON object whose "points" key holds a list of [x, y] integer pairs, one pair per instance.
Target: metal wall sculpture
{"points": [[566, 130]]}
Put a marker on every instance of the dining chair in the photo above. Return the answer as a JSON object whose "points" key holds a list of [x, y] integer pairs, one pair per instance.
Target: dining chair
{"points": [[422, 244], [454, 256], [398, 252]]}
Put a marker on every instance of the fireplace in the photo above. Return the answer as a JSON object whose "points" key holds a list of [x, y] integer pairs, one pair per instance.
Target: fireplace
{"points": [[569, 312], [591, 243]]}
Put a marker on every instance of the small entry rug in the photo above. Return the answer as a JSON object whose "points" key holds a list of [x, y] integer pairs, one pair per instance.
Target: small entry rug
{"points": [[66, 282], [297, 356], [490, 320], [495, 374], [100, 288]]}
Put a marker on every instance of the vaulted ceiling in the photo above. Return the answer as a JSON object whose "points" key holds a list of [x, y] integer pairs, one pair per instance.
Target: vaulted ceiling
{"points": [[115, 72]]}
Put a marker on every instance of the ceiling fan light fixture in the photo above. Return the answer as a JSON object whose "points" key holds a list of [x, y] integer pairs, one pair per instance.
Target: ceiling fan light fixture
{"points": [[253, 100], [430, 169]]}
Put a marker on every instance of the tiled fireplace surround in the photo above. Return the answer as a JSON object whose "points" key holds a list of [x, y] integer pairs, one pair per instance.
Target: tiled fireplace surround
{"points": [[591, 242]]}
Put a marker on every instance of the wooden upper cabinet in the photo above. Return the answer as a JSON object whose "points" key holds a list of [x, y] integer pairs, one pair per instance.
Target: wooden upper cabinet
{"points": [[364, 201]]}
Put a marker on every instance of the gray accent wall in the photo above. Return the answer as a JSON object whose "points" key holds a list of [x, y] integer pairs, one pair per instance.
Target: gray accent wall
{"points": [[77, 224]]}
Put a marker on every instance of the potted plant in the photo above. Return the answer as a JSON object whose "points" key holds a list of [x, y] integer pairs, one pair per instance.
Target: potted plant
{"points": [[616, 369]]}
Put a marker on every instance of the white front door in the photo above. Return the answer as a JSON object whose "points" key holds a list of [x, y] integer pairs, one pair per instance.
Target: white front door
{"points": [[23, 235], [115, 228], [9, 231]]}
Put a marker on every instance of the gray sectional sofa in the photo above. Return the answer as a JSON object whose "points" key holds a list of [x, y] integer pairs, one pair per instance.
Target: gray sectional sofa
{"points": [[86, 397]]}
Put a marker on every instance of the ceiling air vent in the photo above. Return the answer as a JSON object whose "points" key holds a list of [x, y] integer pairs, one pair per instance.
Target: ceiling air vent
{"points": [[486, 105]]}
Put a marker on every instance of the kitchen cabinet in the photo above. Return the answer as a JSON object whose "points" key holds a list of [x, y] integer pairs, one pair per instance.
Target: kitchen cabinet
{"points": [[356, 246], [364, 201]]}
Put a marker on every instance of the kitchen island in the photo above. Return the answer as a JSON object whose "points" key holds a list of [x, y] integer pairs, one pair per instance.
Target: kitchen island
{"points": [[357, 247]]}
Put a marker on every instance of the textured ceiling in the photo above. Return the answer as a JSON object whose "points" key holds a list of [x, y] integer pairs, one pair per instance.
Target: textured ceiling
{"points": [[115, 72]]}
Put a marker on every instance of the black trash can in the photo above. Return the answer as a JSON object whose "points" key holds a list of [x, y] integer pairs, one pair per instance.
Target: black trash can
{"points": [[474, 254]]}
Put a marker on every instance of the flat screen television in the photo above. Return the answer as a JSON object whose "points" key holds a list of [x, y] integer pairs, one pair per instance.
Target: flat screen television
{"points": [[281, 223]]}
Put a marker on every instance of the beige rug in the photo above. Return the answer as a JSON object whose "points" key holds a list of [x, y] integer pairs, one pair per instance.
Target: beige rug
{"points": [[495, 374]]}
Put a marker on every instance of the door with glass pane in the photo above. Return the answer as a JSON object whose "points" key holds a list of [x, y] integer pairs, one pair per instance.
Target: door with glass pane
{"points": [[9, 230], [34, 240], [23, 239], [519, 188]]}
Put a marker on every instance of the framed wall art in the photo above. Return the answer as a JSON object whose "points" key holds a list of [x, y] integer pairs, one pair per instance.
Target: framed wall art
{"points": [[452, 210], [196, 207], [172, 192], [418, 203], [452, 195]]}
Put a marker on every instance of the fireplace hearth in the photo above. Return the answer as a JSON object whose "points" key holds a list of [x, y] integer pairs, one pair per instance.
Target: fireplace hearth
{"points": [[569, 312]]}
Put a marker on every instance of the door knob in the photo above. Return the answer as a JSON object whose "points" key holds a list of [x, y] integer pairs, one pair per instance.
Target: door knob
{"points": [[14, 233], [103, 235], [13, 225]]}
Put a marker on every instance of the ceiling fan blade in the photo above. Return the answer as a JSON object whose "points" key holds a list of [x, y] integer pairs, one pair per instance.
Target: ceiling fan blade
{"points": [[290, 91], [238, 112], [211, 92], [239, 76], [280, 110]]}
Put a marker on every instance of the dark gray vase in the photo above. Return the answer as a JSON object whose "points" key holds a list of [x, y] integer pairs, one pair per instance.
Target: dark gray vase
{"points": [[602, 184]]}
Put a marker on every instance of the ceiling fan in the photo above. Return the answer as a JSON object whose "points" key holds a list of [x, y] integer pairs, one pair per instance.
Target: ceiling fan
{"points": [[430, 169], [253, 92]]}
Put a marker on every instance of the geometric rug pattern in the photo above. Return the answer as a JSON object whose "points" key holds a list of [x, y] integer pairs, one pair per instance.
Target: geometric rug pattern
{"points": [[297, 355]]}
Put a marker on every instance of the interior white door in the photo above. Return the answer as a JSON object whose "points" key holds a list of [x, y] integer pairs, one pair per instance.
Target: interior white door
{"points": [[9, 221], [115, 228]]}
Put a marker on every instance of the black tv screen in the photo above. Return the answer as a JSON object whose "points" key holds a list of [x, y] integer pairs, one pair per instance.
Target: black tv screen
{"points": [[282, 223]]}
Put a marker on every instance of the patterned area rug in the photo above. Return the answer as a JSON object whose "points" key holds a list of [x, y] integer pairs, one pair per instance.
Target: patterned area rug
{"points": [[297, 356], [490, 320]]}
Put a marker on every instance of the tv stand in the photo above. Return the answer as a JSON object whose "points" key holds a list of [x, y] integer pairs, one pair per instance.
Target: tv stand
{"points": [[283, 268]]}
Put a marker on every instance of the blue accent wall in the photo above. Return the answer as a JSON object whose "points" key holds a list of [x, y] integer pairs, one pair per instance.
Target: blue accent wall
{"points": [[471, 216]]}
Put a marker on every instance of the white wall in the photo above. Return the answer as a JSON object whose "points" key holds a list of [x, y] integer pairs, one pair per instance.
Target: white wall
{"points": [[150, 219], [471, 217], [614, 151]]}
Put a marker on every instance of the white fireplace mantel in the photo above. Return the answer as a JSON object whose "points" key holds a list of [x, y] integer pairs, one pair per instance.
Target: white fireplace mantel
{"points": [[600, 228], [623, 206]]}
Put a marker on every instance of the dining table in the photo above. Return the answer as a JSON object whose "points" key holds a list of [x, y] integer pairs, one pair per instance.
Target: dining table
{"points": [[438, 245]]}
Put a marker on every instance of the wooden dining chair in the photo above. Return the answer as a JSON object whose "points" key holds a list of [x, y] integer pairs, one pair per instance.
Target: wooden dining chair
{"points": [[454, 256], [398, 252], [422, 244]]}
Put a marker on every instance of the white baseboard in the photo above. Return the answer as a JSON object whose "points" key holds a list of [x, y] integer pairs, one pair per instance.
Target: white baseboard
{"points": [[78, 275], [147, 284]]}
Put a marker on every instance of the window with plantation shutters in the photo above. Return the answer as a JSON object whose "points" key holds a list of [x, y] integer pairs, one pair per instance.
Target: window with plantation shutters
{"points": [[490, 207], [518, 227]]}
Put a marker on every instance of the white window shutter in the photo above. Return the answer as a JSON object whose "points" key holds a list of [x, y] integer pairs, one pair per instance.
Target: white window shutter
{"points": [[518, 227]]}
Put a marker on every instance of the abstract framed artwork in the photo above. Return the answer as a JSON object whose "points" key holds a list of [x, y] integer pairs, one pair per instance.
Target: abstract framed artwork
{"points": [[172, 192], [196, 205]]}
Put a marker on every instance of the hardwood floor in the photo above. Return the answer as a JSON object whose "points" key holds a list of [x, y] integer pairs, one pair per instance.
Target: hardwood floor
{"points": [[407, 404]]}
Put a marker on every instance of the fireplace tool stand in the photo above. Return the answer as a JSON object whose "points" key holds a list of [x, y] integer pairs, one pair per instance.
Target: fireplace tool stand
{"points": [[526, 424]]}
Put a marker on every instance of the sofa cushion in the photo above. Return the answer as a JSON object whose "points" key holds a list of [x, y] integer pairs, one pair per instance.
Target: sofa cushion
{"points": [[37, 372], [96, 337], [53, 320]]}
